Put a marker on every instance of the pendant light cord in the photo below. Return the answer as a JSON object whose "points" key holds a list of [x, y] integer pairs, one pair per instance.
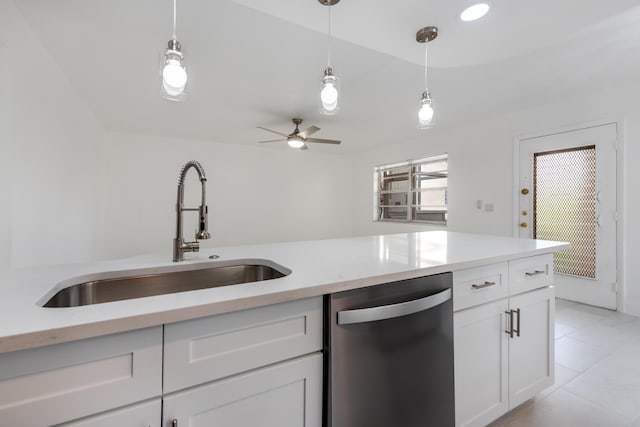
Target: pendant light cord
{"points": [[426, 51], [174, 19], [329, 42]]}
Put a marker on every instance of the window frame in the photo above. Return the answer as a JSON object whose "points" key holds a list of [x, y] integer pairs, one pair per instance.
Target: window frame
{"points": [[409, 199]]}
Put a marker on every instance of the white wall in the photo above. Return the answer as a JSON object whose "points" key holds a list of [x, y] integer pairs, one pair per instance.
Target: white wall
{"points": [[5, 189], [481, 168], [49, 162], [254, 194]]}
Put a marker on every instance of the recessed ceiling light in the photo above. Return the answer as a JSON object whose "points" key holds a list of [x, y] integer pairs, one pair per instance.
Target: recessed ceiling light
{"points": [[474, 12]]}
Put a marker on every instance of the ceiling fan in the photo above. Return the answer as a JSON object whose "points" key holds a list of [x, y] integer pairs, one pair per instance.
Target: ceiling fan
{"points": [[298, 138]]}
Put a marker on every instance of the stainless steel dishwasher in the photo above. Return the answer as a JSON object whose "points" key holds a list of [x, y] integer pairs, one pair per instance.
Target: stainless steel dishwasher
{"points": [[389, 355]]}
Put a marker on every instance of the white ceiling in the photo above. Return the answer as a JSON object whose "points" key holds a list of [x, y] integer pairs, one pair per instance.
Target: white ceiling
{"points": [[257, 62]]}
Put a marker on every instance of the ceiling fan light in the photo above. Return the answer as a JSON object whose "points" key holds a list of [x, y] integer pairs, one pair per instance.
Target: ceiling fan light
{"points": [[329, 93], [295, 142], [474, 12]]}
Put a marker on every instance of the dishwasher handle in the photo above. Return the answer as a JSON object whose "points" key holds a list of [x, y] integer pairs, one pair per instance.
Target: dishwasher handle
{"points": [[391, 311]]}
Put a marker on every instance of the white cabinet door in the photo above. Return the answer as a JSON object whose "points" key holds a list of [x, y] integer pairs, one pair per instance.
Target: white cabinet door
{"points": [[531, 354], [145, 414], [58, 383], [203, 350], [288, 394], [480, 363]]}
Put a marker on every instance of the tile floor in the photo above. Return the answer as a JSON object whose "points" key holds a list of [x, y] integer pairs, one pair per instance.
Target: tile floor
{"points": [[597, 373]]}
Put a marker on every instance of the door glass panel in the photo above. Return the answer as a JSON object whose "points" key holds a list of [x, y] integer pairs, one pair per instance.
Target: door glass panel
{"points": [[565, 207]]}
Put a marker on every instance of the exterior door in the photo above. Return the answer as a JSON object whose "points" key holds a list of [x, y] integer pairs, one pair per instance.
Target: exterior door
{"points": [[568, 193]]}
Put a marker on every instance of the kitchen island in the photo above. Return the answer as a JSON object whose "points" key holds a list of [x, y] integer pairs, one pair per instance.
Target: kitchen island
{"points": [[169, 332]]}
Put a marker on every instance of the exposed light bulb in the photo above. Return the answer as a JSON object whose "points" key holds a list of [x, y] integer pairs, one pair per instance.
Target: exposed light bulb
{"points": [[174, 75], [295, 142], [329, 94], [425, 114], [474, 12]]}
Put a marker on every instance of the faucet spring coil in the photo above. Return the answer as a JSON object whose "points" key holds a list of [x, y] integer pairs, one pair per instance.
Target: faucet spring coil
{"points": [[198, 167]]}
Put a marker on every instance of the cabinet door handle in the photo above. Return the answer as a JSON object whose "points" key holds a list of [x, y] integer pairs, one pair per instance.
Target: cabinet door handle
{"points": [[483, 285], [510, 330], [535, 273], [174, 423], [517, 330]]}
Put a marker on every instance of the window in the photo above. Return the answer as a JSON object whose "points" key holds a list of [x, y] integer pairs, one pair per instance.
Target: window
{"points": [[412, 191]]}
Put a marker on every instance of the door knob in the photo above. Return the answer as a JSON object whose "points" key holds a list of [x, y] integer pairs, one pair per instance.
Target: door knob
{"points": [[523, 225]]}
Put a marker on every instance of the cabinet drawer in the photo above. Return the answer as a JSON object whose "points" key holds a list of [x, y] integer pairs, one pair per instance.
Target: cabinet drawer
{"points": [[530, 273], [287, 394], [63, 382], [145, 414], [202, 350], [478, 285]]}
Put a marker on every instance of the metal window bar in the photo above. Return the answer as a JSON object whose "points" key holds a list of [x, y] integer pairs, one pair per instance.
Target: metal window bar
{"points": [[405, 184]]}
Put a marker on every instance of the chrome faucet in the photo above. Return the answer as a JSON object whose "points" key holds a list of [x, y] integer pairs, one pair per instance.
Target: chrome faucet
{"points": [[179, 245]]}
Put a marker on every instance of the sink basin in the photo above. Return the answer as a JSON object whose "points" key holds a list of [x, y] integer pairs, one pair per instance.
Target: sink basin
{"points": [[110, 289]]}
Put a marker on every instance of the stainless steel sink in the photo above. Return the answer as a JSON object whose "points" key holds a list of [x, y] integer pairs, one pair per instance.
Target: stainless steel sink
{"points": [[144, 285]]}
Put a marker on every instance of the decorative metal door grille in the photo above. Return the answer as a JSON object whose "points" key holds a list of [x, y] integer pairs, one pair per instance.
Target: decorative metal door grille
{"points": [[565, 206]]}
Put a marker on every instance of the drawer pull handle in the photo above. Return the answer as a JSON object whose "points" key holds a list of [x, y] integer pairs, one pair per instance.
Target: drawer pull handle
{"points": [[483, 285], [535, 273]]}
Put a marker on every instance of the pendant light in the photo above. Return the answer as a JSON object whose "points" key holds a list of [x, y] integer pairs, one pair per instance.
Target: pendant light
{"points": [[330, 90], [174, 74], [425, 113]]}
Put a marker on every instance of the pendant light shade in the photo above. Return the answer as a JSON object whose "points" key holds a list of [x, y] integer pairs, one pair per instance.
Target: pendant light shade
{"points": [[425, 111], [330, 88], [172, 68]]}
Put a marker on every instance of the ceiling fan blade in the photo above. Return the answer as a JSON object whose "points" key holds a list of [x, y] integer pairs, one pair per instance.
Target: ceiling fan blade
{"points": [[308, 131], [304, 147], [323, 141], [273, 140], [273, 131]]}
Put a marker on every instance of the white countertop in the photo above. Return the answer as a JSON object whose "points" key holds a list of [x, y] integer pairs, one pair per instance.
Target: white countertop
{"points": [[318, 267]]}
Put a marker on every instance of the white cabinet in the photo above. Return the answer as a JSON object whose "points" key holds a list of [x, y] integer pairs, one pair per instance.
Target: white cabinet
{"points": [[530, 273], [531, 353], [145, 414], [481, 364], [258, 367], [64, 382], [478, 285], [288, 394], [503, 338], [201, 350], [261, 366]]}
